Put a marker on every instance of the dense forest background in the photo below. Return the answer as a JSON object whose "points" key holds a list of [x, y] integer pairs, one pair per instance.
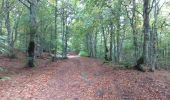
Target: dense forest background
{"points": [[118, 31]]}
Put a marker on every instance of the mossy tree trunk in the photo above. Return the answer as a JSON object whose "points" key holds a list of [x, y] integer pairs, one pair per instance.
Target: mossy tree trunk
{"points": [[146, 31], [32, 7]]}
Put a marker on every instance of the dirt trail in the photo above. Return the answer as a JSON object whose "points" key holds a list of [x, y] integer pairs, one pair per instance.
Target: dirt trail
{"points": [[80, 79]]}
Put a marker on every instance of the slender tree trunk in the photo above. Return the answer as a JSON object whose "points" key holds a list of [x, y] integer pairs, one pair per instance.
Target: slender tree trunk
{"points": [[118, 31], [1, 17], [118, 41], [56, 15], [105, 43], [66, 38], [8, 27], [115, 47], [133, 25], [95, 44], [111, 40], [1, 26], [122, 42], [91, 45], [17, 20], [101, 45], [51, 41], [63, 33]]}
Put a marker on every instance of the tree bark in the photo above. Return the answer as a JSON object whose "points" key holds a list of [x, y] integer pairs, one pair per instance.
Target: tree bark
{"points": [[64, 41], [118, 28], [111, 41], [33, 31], [66, 38], [133, 25], [154, 36], [9, 30], [1, 27], [1, 17], [146, 31], [95, 44], [105, 44], [56, 15]]}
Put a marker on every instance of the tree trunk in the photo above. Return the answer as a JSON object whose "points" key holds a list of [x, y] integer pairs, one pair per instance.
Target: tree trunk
{"points": [[118, 31], [111, 40], [133, 25], [1, 27], [118, 41], [1, 17], [64, 55], [122, 41], [51, 41], [66, 39], [88, 43], [154, 37], [8, 27], [56, 15], [91, 45], [115, 48], [105, 44], [95, 44], [146, 31], [33, 30], [17, 20]]}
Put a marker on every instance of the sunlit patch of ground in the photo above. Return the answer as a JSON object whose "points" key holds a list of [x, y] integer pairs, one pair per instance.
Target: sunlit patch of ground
{"points": [[73, 56]]}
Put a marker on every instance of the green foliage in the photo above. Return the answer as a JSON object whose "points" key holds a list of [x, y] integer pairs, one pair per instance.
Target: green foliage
{"points": [[127, 64], [3, 45], [83, 54], [12, 55]]}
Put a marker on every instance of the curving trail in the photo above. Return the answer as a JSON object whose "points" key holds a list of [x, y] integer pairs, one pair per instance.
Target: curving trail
{"points": [[80, 78]]}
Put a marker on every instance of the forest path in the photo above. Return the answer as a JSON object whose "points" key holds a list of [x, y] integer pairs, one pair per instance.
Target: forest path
{"points": [[79, 78]]}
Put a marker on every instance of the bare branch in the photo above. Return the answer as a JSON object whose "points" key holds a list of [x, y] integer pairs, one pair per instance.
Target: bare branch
{"points": [[160, 7], [151, 6], [127, 13], [139, 12], [11, 6], [25, 4], [29, 1], [164, 22]]}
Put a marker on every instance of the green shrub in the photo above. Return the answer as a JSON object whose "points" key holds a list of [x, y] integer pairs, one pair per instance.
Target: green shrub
{"points": [[83, 54], [12, 55], [127, 65]]}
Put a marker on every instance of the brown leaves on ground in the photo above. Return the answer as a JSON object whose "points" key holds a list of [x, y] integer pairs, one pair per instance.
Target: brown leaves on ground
{"points": [[79, 78]]}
